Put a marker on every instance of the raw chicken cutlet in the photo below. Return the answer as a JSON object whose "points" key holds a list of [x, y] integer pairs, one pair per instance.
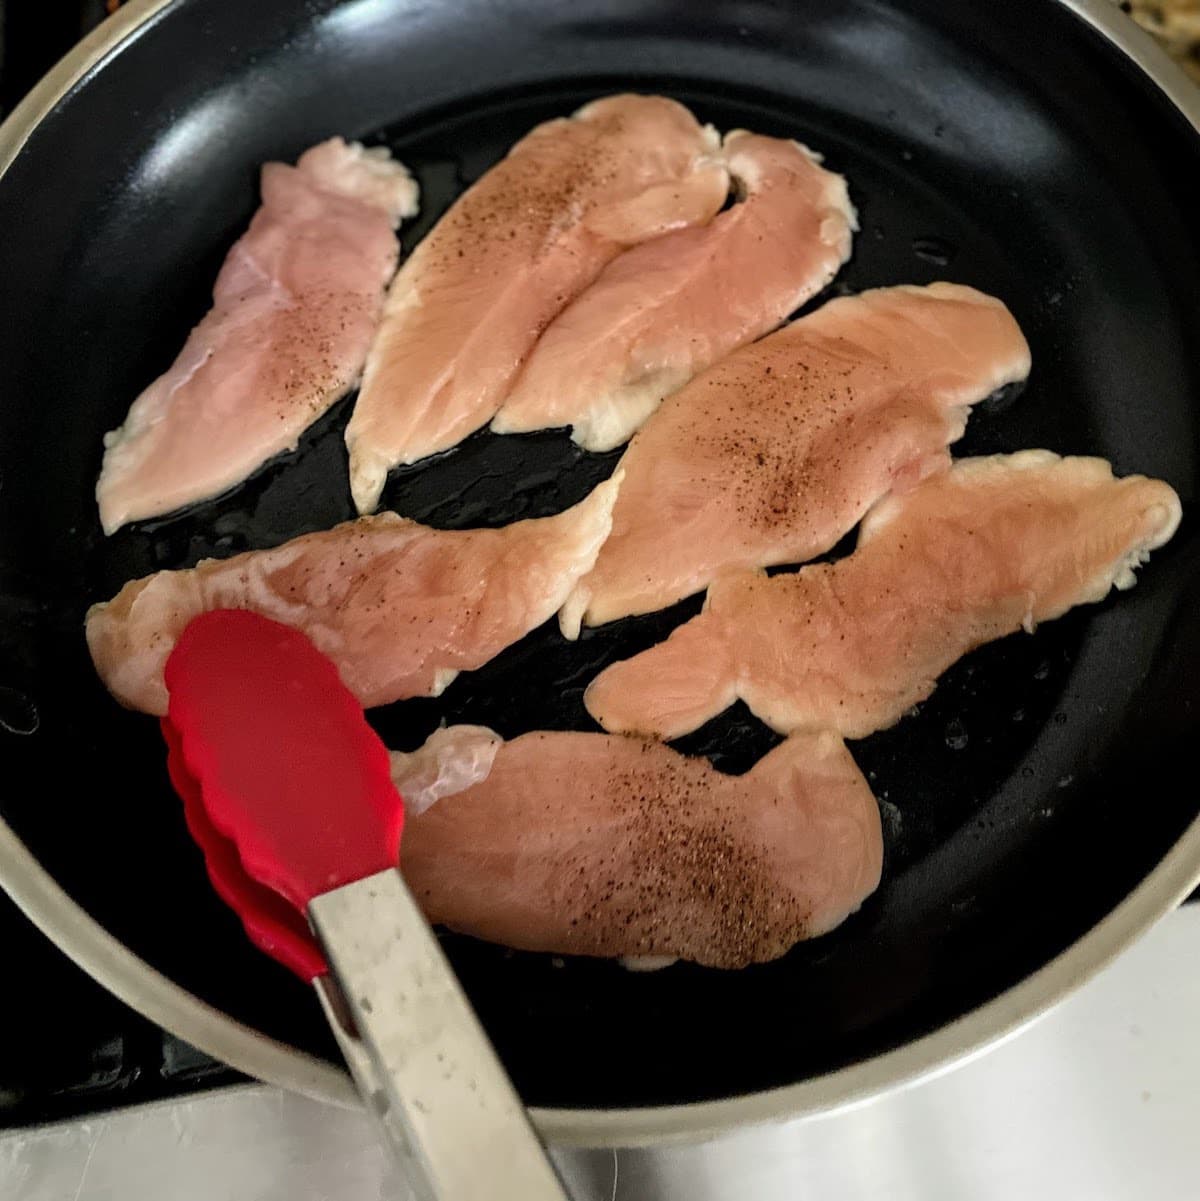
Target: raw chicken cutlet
{"points": [[992, 546], [775, 453], [667, 309], [471, 300], [295, 307], [400, 608], [587, 844]]}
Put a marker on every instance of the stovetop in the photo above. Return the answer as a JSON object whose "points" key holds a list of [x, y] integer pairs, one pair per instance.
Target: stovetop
{"points": [[72, 1048]]}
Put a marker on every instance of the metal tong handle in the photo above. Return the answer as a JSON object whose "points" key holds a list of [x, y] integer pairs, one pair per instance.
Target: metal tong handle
{"points": [[418, 1053]]}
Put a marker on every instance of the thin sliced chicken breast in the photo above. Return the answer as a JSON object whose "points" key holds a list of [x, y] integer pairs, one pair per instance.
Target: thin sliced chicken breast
{"points": [[775, 453], [992, 546], [471, 300], [667, 309], [586, 844], [295, 307], [400, 608]]}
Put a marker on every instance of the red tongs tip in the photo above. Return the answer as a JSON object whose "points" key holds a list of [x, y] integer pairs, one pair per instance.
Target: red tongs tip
{"points": [[285, 786]]}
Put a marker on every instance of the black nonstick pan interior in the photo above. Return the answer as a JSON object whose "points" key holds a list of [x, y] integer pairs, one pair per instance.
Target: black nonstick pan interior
{"points": [[1004, 146]]}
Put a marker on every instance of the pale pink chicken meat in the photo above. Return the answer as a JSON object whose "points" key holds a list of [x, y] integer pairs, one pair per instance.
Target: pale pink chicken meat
{"points": [[467, 306], [664, 311], [587, 844], [400, 608], [992, 546], [777, 451], [295, 307]]}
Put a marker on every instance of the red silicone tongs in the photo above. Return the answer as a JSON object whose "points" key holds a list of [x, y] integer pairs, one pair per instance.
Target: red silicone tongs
{"points": [[287, 790]]}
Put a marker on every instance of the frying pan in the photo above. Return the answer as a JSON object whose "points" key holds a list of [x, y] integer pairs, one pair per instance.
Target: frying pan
{"points": [[1040, 810]]}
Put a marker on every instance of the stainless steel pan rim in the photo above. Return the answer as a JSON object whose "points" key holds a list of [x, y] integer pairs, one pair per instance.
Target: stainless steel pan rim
{"points": [[161, 1000]]}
